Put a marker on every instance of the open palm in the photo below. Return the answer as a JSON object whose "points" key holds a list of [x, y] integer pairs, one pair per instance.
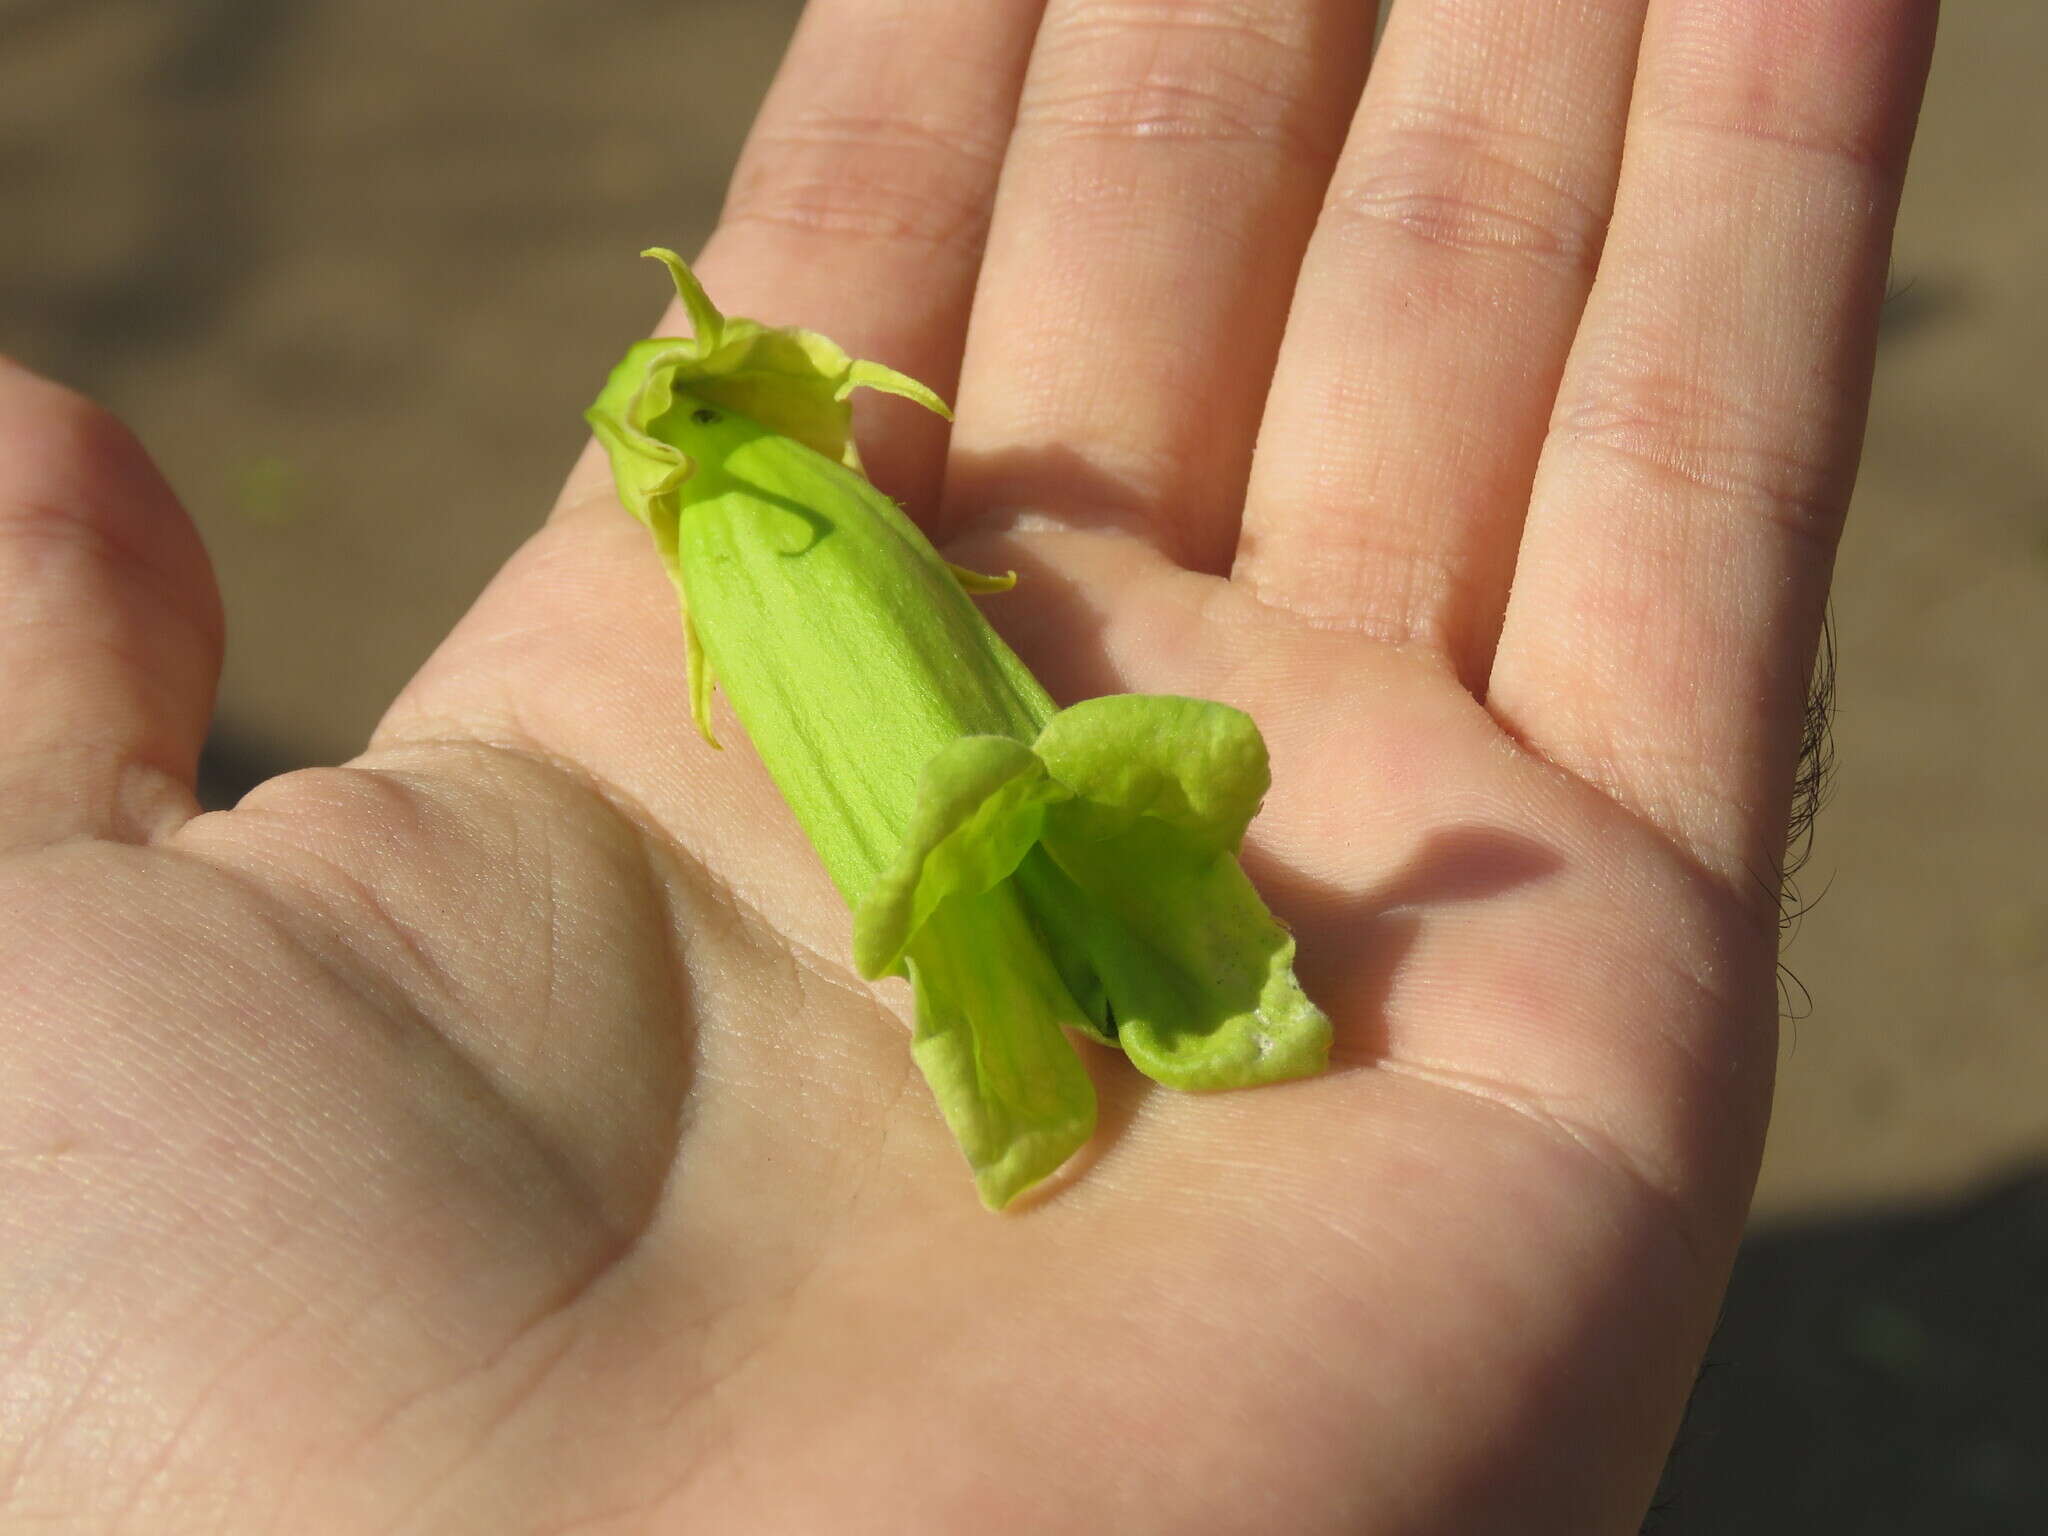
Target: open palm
{"points": [[492, 1135]]}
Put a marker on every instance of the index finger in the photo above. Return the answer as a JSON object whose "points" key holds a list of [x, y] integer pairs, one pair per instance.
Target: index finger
{"points": [[861, 202]]}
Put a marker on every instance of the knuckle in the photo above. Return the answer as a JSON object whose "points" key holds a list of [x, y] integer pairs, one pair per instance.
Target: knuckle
{"points": [[880, 176], [1742, 114], [46, 543], [1708, 443], [1789, 91], [80, 499], [50, 433], [1452, 184], [1202, 75], [1776, 136]]}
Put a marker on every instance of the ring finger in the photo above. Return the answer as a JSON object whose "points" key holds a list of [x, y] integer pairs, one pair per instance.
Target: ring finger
{"points": [[1435, 309]]}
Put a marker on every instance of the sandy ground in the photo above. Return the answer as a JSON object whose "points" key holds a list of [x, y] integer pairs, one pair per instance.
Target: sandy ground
{"points": [[352, 267]]}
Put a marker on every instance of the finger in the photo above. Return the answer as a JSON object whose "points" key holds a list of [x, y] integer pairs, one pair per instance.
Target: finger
{"points": [[1162, 181], [859, 210], [1675, 565], [861, 203], [1436, 305], [110, 628]]}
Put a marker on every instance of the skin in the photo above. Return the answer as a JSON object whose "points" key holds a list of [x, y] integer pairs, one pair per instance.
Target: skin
{"points": [[491, 1135]]}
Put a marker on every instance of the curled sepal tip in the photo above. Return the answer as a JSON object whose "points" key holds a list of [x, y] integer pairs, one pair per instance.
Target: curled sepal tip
{"points": [[707, 323]]}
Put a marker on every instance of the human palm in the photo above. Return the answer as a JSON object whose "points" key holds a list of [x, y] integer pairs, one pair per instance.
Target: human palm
{"points": [[492, 1134]]}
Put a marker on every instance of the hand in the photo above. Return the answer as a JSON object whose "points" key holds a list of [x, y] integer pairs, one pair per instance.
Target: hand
{"points": [[491, 1135]]}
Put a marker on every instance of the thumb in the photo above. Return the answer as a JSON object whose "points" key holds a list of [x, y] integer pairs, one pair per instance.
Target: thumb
{"points": [[110, 627]]}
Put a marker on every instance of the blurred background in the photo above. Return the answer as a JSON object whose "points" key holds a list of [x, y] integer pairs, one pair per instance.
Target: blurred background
{"points": [[352, 267]]}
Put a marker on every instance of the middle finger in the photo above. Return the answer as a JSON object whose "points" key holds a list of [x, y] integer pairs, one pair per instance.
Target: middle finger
{"points": [[1168, 159]]}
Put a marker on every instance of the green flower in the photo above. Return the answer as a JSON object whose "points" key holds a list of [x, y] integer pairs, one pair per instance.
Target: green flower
{"points": [[1028, 869]]}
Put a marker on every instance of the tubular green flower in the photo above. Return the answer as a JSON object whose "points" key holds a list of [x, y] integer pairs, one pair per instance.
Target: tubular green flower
{"points": [[1027, 869]]}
